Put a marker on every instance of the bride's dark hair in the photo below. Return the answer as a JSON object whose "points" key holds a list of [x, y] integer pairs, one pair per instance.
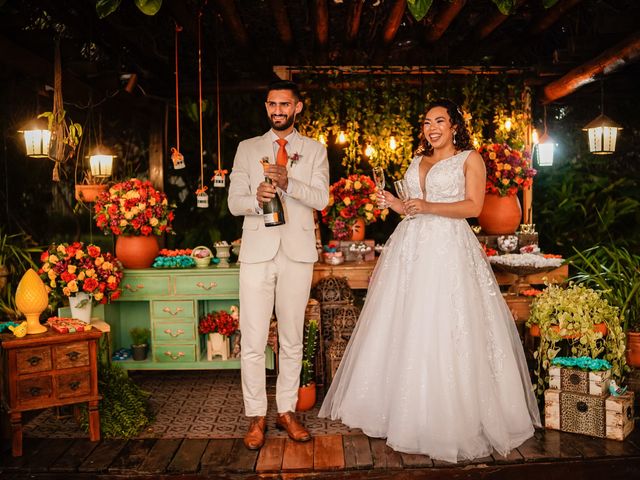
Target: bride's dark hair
{"points": [[462, 137]]}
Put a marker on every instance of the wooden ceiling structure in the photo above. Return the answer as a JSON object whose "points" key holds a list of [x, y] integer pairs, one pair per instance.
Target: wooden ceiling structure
{"points": [[561, 49]]}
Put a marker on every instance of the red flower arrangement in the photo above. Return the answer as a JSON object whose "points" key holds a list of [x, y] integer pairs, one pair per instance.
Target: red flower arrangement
{"points": [[133, 207], [507, 170], [489, 252], [69, 269], [349, 199], [221, 322]]}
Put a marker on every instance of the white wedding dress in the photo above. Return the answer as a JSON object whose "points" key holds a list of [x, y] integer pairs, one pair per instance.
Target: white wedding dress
{"points": [[435, 364]]}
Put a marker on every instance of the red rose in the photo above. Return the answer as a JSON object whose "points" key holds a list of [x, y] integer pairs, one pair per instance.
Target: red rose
{"points": [[93, 251], [89, 284]]}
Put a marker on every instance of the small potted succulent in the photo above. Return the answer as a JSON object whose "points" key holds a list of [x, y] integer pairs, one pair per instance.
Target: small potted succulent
{"points": [[140, 342]]}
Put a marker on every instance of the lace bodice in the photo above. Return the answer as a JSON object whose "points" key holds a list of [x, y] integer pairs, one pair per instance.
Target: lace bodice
{"points": [[444, 182]]}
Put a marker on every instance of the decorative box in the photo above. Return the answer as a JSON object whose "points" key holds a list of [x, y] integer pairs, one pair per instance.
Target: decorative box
{"points": [[579, 381], [67, 325], [350, 256], [575, 412], [619, 416]]}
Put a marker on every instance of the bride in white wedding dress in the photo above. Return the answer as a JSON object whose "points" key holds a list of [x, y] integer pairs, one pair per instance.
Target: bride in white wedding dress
{"points": [[435, 364]]}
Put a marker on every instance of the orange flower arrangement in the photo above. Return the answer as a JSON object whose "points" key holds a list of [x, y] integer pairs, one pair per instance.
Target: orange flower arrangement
{"points": [[133, 207], [508, 170], [351, 198], [71, 268]]}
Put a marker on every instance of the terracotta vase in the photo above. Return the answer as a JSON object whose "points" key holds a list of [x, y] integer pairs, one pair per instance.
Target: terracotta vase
{"points": [[534, 330], [500, 215], [89, 193], [633, 349], [357, 230], [306, 397], [137, 251]]}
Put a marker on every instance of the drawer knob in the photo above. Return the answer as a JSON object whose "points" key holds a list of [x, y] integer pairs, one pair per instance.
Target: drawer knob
{"points": [[168, 310], [33, 361], [174, 357], [179, 332], [133, 289], [74, 385], [205, 287], [35, 391], [73, 356]]}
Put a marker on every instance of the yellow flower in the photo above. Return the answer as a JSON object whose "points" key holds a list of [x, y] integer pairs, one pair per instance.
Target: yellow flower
{"points": [[111, 279], [98, 296], [79, 254], [368, 215], [507, 166], [107, 266], [66, 291], [123, 223], [90, 272], [51, 274], [384, 213], [152, 201], [506, 152], [330, 200], [153, 221], [492, 155], [72, 268], [61, 250], [99, 261], [505, 181], [357, 185], [498, 174], [518, 169], [81, 276], [73, 286], [46, 267], [373, 197], [164, 201], [368, 207], [346, 201], [128, 215], [52, 283], [348, 184], [53, 259], [499, 166], [135, 210]]}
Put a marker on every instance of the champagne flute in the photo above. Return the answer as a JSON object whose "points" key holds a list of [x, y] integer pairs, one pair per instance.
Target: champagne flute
{"points": [[378, 178], [402, 189]]}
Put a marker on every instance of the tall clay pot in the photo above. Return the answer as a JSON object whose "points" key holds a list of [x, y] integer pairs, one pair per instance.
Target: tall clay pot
{"points": [[137, 251], [357, 230], [500, 215], [633, 349], [306, 397]]}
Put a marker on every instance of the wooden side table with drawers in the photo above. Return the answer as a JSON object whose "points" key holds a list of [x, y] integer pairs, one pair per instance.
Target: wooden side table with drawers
{"points": [[48, 370]]}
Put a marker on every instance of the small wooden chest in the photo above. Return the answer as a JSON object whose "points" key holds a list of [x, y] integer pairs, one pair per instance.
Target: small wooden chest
{"points": [[575, 412], [619, 416], [574, 380]]}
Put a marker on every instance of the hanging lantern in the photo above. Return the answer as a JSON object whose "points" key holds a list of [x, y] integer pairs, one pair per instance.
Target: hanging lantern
{"points": [[392, 143], [545, 150], [37, 143], [342, 138], [322, 139], [101, 165], [369, 151], [602, 133]]}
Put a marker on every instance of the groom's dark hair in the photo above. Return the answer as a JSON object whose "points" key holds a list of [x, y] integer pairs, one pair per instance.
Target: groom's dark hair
{"points": [[285, 85]]}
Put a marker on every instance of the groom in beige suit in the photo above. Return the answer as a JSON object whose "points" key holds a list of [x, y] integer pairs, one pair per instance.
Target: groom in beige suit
{"points": [[276, 263]]}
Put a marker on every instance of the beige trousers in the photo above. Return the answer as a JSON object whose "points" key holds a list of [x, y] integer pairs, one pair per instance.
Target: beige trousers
{"points": [[287, 283]]}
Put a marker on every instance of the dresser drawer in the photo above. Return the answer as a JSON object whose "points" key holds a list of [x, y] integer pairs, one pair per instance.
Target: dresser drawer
{"points": [[71, 355], [74, 384], [219, 285], [173, 308], [33, 360], [140, 286], [170, 332], [35, 390], [178, 353]]}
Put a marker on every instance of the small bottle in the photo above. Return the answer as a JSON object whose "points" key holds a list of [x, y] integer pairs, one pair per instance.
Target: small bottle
{"points": [[272, 211]]}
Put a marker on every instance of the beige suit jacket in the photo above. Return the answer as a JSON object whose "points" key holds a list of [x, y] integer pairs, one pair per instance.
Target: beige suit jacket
{"points": [[308, 190]]}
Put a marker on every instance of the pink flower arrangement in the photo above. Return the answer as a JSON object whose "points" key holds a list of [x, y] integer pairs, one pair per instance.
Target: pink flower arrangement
{"points": [[133, 207], [349, 199], [71, 268], [508, 170]]}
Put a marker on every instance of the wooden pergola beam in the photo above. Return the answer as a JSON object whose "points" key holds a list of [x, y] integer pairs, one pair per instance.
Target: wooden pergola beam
{"points": [[394, 21], [322, 23], [353, 20], [489, 25], [620, 55], [552, 16], [283, 25], [232, 20], [443, 19]]}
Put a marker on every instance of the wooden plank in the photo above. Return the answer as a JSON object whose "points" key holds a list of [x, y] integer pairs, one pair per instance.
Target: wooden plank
{"points": [[102, 456], [535, 450], [561, 444], [132, 456], [216, 456], [357, 452], [270, 458], [328, 453], [187, 458], [297, 456], [48, 453], [75, 455], [160, 455], [29, 448], [241, 459], [514, 456], [383, 456], [416, 461]]}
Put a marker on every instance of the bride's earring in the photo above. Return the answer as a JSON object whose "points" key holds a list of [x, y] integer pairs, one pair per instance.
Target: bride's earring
{"points": [[454, 137]]}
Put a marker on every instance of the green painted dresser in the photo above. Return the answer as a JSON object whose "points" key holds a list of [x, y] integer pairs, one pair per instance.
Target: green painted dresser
{"points": [[169, 303]]}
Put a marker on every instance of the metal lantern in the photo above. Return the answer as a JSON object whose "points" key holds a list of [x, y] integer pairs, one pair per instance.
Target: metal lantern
{"points": [[545, 150], [602, 133], [37, 142], [101, 165]]}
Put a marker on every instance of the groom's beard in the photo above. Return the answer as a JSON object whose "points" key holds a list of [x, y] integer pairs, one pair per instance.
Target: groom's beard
{"points": [[283, 125]]}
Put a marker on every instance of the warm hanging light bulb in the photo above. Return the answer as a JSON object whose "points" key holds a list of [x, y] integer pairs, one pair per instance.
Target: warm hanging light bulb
{"points": [[602, 131], [369, 151], [37, 139], [392, 143], [322, 139], [342, 138], [545, 150], [534, 137], [476, 143], [507, 125]]}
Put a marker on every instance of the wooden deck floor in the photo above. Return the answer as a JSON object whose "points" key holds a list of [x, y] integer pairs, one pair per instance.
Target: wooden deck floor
{"points": [[548, 455]]}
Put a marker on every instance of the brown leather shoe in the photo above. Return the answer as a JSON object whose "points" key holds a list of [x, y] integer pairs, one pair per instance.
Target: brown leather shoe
{"points": [[254, 439], [287, 421]]}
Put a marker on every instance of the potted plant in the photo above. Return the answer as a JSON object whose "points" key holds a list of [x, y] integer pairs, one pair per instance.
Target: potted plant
{"points": [[307, 389], [90, 188], [136, 212], [352, 205], [508, 171], [140, 342], [616, 273], [576, 321]]}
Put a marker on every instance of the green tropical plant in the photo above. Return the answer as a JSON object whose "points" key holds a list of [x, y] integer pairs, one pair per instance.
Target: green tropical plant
{"points": [[615, 271], [107, 7], [139, 335], [310, 342], [566, 318]]}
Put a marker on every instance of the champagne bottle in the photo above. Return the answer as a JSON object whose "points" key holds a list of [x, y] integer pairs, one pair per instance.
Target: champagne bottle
{"points": [[272, 211]]}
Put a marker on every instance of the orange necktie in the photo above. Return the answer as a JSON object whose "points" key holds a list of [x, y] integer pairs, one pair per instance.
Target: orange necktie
{"points": [[281, 158]]}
